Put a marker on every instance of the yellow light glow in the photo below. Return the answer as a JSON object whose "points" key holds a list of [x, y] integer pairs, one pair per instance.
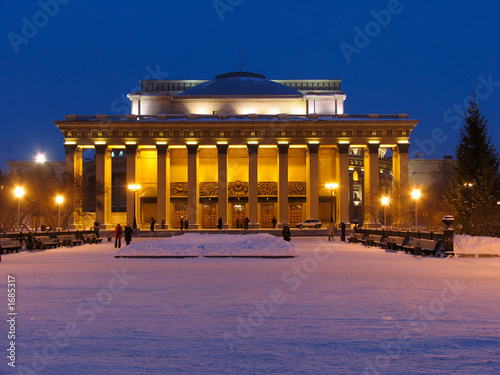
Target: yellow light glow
{"points": [[373, 142], [403, 142], [222, 143], [385, 201], [134, 187], [130, 143], [387, 145], [344, 142], [359, 146], [40, 158], [298, 146], [282, 143], [161, 143], [100, 143], [253, 143], [415, 194], [59, 199], [237, 146], [176, 146], [314, 142], [146, 146], [70, 143], [267, 146], [191, 143], [332, 186], [19, 192], [208, 146]]}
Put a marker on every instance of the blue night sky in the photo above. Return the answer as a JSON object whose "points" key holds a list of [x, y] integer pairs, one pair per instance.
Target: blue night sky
{"points": [[423, 58]]}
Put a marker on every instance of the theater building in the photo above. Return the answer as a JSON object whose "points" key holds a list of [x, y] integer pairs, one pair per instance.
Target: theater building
{"points": [[239, 146]]}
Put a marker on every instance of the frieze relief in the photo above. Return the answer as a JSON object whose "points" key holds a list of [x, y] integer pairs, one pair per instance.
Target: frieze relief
{"points": [[237, 189], [179, 189], [267, 188], [209, 189], [296, 188]]}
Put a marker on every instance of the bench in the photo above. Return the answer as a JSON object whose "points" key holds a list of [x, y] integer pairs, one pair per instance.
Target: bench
{"points": [[356, 238], [394, 243], [374, 239], [421, 246], [91, 238], [6, 245], [45, 242], [68, 240]]}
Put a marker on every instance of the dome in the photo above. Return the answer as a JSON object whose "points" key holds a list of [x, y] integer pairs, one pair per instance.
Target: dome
{"points": [[241, 84]]}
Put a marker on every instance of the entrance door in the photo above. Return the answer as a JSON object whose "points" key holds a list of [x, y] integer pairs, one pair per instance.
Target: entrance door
{"points": [[209, 215], [180, 211], [238, 215], [266, 215], [295, 214]]}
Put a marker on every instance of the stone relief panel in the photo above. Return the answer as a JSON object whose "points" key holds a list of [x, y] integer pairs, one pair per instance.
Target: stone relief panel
{"points": [[237, 189], [209, 189], [179, 189], [268, 188], [296, 188]]}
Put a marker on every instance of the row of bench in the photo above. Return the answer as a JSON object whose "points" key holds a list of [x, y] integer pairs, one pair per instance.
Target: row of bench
{"points": [[416, 246], [46, 242]]}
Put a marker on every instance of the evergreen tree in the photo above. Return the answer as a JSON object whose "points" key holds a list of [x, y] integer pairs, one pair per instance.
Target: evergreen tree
{"points": [[474, 195]]}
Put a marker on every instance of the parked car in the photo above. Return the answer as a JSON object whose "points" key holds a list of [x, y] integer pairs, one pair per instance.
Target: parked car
{"points": [[313, 223]]}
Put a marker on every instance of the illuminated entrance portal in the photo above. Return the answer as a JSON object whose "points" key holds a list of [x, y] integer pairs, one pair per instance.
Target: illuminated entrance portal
{"points": [[266, 215], [295, 214], [210, 215], [238, 215]]}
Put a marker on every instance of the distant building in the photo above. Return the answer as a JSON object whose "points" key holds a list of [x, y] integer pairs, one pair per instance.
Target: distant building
{"points": [[422, 172], [240, 146]]}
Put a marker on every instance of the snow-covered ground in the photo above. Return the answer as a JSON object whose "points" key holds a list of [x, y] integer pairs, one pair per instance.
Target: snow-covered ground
{"points": [[335, 309]]}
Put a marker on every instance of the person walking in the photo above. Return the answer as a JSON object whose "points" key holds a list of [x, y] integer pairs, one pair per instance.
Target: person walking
{"points": [[186, 224], [274, 221], [182, 223], [237, 222], [152, 222], [219, 223], [342, 227], [118, 236], [331, 232], [286, 232], [128, 234], [246, 223]]}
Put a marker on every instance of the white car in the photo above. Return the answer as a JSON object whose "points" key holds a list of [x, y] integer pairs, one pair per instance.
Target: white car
{"points": [[309, 224]]}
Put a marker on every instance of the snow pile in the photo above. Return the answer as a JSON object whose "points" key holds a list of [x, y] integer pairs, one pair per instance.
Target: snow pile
{"points": [[195, 244], [476, 245]]}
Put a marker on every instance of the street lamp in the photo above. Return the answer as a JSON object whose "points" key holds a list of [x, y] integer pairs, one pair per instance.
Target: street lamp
{"points": [[19, 192], [332, 187], [415, 195], [385, 202], [59, 200], [134, 188]]}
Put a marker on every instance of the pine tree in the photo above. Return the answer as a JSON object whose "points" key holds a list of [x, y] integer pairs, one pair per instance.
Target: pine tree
{"points": [[476, 190]]}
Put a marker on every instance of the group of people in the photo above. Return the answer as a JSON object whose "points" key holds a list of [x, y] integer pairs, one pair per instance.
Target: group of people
{"points": [[243, 223], [118, 235], [331, 232], [184, 223]]}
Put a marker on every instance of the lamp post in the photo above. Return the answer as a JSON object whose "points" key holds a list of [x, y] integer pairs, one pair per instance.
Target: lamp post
{"points": [[134, 188], [59, 200], [332, 187], [19, 192], [385, 202], [415, 195]]}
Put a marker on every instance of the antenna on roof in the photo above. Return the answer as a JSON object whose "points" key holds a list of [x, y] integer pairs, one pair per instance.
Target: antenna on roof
{"points": [[240, 55]]}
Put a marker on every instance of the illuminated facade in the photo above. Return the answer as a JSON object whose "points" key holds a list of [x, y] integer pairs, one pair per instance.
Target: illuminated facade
{"points": [[240, 146]]}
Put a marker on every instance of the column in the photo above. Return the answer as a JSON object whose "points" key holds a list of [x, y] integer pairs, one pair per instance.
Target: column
{"points": [[371, 183], [400, 181], [283, 183], [222, 183], [108, 189], [131, 196], [313, 188], [253, 187], [74, 166], [192, 186], [343, 178], [100, 178], [161, 203]]}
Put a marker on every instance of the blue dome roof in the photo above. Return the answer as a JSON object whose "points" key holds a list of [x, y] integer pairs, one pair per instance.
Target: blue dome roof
{"points": [[241, 84]]}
